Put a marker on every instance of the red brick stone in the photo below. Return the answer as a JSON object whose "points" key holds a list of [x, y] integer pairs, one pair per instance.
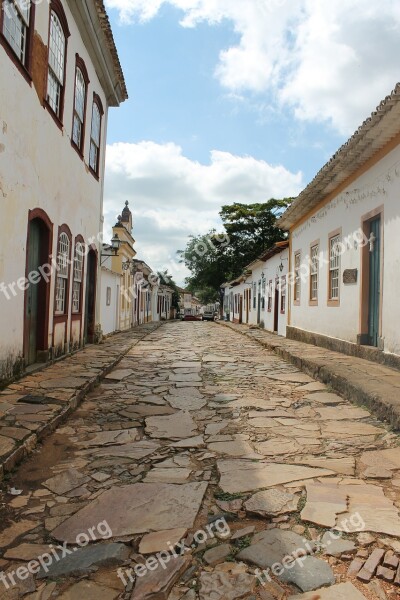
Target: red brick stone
{"points": [[385, 573], [390, 560], [374, 560], [397, 578], [355, 566]]}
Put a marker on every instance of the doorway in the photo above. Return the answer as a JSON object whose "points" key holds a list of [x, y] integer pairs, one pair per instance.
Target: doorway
{"points": [[371, 279], [276, 308], [259, 308], [240, 309], [374, 292], [90, 297], [36, 321]]}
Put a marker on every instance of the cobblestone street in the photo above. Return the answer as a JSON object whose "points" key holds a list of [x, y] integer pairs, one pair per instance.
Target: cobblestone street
{"points": [[203, 467]]}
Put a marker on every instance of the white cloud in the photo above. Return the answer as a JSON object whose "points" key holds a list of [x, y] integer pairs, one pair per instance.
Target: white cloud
{"points": [[328, 61], [172, 197]]}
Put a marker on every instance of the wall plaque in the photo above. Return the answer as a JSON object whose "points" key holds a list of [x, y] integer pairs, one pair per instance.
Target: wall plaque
{"points": [[350, 275]]}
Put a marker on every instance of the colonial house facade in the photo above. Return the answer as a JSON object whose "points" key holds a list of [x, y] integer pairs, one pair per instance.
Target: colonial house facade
{"points": [[123, 264], [110, 293], [258, 296], [345, 244], [59, 74]]}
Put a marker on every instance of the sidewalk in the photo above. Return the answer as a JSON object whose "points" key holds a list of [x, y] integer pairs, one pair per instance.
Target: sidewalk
{"points": [[35, 405], [359, 380]]}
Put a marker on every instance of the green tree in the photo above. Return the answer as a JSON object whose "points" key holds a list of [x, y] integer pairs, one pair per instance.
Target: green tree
{"points": [[252, 228], [166, 279], [208, 259], [215, 258]]}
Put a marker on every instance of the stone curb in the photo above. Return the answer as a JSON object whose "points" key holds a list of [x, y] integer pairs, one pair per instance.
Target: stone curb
{"points": [[16, 456], [383, 407]]}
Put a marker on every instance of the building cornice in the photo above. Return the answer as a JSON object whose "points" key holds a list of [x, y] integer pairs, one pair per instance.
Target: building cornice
{"points": [[377, 134]]}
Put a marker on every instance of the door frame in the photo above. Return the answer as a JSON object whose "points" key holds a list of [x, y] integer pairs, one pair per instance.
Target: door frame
{"points": [[363, 336], [90, 327], [276, 306], [38, 213]]}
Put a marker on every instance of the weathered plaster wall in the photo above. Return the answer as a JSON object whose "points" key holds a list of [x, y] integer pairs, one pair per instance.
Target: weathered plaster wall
{"points": [[40, 169], [379, 186]]}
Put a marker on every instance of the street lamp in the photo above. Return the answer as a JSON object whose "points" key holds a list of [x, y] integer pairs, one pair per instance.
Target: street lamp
{"points": [[114, 247]]}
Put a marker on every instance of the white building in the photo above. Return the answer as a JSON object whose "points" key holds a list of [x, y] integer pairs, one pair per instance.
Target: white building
{"points": [[110, 295], [345, 244], [258, 297], [59, 74]]}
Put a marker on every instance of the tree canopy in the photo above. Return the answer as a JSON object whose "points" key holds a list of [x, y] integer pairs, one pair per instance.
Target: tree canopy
{"points": [[213, 258]]}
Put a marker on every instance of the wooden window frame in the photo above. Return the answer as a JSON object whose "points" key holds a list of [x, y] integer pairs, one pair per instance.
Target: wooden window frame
{"points": [[24, 69], [296, 280], [96, 101], [269, 304], [283, 287], [333, 302], [57, 8], [314, 301], [63, 317], [78, 240], [80, 64]]}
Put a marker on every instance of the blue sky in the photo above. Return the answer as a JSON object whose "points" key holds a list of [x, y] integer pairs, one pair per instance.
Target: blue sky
{"points": [[235, 101]]}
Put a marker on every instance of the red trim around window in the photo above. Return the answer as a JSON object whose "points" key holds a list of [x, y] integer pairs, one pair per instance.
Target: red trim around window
{"points": [[57, 8], [80, 64], [96, 100], [24, 69], [63, 318]]}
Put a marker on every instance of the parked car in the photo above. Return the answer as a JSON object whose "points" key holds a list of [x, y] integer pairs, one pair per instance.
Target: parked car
{"points": [[192, 318], [209, 315]]}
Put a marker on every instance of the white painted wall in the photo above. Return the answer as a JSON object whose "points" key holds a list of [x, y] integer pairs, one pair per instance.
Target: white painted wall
{"points": [[109, 314], [40, 169], [380, 185]]}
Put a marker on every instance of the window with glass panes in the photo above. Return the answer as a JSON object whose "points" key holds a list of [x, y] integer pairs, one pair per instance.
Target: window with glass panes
{"points": [[95, 139], [334, 267], [62, 273], [16, 17], [283, 295], [270, 296], [79, 109], [314, 272], [77, 285], [55, 80], [297, 277]]}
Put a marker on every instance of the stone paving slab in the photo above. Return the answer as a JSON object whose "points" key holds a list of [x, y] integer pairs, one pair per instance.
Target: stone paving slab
{"points": [[357, 379], [35, 405]]}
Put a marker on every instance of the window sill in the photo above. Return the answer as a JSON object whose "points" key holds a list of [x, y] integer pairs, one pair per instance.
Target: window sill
{"points": [[95, 175], [60, 318], [77, 149], [296, 302], [313, 303], [14, 58], [53, 115], [333, 303]]}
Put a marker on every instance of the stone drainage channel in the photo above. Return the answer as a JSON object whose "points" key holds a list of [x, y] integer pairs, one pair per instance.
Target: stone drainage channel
{"points": [[205, 467]]}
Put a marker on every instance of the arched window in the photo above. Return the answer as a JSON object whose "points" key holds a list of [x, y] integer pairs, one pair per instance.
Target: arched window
{"points": [[58, 35], [16, 27], [95, 135], [78, 275], [78, 121], [63, 252]]}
